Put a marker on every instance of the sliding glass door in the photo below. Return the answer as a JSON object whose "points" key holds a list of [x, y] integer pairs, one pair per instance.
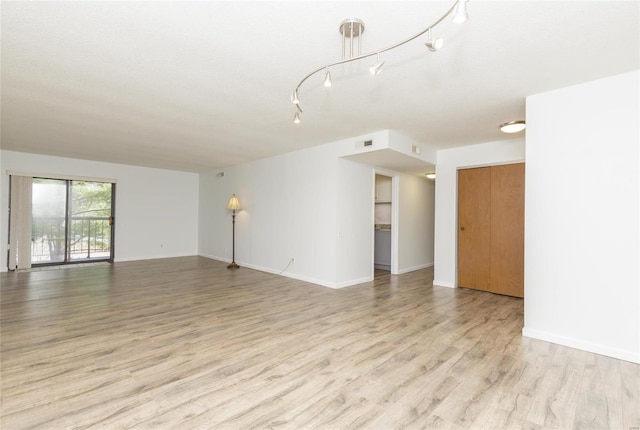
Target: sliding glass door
{"points": [[72, 221], [48, 221]]}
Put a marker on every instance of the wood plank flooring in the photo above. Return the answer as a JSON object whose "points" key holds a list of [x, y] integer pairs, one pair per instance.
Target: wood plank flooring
{"points": [[185, 343]]}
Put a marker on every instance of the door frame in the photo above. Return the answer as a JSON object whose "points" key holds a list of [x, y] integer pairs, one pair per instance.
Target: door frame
{"points": [[39, 174], [67, 251], [395, 192]]}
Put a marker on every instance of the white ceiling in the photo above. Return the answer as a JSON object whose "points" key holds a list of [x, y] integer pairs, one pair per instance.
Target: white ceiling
{"points": [[202, 85]]}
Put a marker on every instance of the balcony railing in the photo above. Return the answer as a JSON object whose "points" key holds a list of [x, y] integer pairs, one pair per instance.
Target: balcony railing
{"points": [[89, 239]]}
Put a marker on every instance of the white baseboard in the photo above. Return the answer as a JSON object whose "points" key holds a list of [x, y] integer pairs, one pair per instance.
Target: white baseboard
{"points": [[147, 257], [334, 285], [352, 282], [215, 257], [621, 354], [414, 268], [447, 284]]}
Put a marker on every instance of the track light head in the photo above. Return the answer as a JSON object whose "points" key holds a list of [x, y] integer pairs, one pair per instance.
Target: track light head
{"points": [[294, 98], [296, 118], [376, 68], [433, 44], [460, 14], [327, 79]]}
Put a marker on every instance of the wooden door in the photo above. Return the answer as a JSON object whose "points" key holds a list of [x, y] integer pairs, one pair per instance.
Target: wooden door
{"points": [[474, 228], [507, 229]]}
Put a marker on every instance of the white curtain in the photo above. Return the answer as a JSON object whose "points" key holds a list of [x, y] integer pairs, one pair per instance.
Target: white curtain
{"points": [[20, 222]]}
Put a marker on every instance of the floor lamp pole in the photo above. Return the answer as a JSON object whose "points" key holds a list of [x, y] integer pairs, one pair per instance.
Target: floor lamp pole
{"points": [[233, 264]]}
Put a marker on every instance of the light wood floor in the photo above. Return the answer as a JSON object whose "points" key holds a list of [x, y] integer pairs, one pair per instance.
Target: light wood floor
{"points": [[185, 343]]}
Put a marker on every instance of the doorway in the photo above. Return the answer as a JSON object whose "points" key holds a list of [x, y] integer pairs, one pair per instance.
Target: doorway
{"points": [[382, 223]]}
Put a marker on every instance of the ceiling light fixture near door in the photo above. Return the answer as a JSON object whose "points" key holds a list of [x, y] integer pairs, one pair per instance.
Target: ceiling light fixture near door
{"points": [[513, 126], [351, 30], [430, 175]]}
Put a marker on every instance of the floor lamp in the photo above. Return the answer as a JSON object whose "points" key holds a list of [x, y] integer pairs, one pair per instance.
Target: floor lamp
{"points": [[233, 205]]}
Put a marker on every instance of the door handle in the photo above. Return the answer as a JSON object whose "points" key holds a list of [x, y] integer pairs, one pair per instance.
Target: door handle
{"points": [[462, 228]]}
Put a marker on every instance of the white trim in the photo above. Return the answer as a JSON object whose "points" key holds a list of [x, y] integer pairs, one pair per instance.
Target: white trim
{"points": [[344, 284], [446, 284], [632, 356], [59, 176], [414, 268], [147, 257], [500, 163], [215, 257], [333, 285], [395, 223]]}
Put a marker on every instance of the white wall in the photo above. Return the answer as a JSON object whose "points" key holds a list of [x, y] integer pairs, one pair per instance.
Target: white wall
{"points": [[446, 200], [355, 209], [404, 144], [308, 205], [156, 210], [581, 217], [416, 223], [315, 207]]}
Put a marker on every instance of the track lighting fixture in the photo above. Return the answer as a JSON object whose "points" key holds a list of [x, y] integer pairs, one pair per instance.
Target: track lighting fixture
{"points": [[460, 15], [433, 44], [352, 30], [327, 79], [376, 68]]}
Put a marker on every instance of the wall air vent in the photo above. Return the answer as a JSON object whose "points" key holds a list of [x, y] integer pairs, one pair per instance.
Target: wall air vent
{"points": [[368, 143]]}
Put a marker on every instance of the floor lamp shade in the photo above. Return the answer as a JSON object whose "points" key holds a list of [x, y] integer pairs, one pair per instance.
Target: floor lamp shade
{"points": [[233, 205]]}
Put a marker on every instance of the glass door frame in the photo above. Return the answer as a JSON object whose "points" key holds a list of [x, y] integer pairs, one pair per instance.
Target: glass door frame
{"points": [[67, 239]]}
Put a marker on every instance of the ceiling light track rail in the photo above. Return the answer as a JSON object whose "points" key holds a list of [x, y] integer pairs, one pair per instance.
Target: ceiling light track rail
{"points": [[460, 15]]}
